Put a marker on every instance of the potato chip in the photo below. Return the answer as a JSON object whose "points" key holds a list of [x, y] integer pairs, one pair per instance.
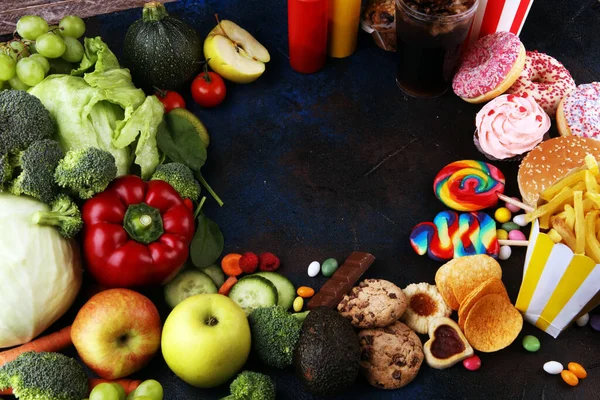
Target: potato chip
{"points": [[443, 281], [471, 271], [491, 286], [493, 323]]}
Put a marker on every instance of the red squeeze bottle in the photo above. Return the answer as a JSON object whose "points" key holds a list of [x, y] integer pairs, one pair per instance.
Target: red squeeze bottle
{"points": [[307, 26]]}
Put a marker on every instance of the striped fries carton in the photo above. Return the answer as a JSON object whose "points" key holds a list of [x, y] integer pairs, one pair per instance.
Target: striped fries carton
{"points": [[498, 16], [558, 286]]}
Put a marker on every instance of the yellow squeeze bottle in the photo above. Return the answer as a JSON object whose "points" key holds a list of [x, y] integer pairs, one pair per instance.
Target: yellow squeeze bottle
{"points": [[344, 20]]}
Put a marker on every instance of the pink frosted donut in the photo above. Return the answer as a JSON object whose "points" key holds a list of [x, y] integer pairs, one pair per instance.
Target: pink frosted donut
{"points": [[545, 79], [578, 113], [489, 67]]}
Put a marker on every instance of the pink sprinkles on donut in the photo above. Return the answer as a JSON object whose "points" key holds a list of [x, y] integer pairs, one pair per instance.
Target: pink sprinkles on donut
{"points": [[544, 78], [582, 110], [486, 64]]}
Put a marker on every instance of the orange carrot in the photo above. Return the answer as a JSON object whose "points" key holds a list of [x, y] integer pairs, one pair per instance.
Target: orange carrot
{"points": [[53, 342], [6, 392], [227, 285], [231, 264], [128, 384]]}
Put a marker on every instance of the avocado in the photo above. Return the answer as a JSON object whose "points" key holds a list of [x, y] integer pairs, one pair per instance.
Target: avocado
{"points": [[327, 354]]}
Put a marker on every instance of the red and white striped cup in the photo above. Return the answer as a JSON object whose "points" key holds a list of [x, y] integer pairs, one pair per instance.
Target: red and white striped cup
{"points": [[497, 16]]}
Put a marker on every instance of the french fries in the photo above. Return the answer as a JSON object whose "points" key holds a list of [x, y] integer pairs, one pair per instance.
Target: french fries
{"points": [[569, 211]]}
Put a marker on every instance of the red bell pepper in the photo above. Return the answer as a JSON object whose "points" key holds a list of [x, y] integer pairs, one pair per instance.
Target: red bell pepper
{"points": [[136, 233]]}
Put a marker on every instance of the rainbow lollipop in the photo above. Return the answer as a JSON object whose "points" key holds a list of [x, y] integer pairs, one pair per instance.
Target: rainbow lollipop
{"points": [[469, 185], [452, 235]]}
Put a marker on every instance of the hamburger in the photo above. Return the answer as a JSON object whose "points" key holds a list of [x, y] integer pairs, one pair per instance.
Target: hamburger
{"points": [[551, 161]]}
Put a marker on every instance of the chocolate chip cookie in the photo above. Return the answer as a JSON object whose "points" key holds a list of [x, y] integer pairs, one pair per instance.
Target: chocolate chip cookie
{"points": [[390, 357], [374, 303]]}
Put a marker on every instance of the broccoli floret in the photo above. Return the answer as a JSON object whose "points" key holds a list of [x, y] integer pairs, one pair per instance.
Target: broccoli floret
{"points": [[37, 165], [44, 376], [64, 215], [86, 171], [251, 386], [23, 120], [275, 333], [180, 177]]}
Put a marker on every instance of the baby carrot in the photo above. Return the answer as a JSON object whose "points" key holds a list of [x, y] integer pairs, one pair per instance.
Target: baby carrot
{"points": [[231, 264]]}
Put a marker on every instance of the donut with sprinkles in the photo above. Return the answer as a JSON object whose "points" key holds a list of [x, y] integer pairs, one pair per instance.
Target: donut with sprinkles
{"points": [[545, 79], [489, 67], [578, 112]]}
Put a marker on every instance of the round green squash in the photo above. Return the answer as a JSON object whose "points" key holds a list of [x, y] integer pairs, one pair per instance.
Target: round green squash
{"points": [[161, 51]]}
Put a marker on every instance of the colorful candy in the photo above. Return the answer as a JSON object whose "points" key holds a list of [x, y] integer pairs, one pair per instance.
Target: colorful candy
{"points": [[472, 363], [298, 304], [329, 266], [516, 235], [452, 235], [569, 377], [520, 220], [513, 208], [502, 215], [577, 370], [531, 343], [553, 367], [469, 185], [510, 226], [501, 234], [504, 253], [595, 322], [313, 269], [305, 292], [583, 320]]}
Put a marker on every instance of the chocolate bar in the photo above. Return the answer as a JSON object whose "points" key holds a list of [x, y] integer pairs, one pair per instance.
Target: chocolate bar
{"points": [[342, 280]]}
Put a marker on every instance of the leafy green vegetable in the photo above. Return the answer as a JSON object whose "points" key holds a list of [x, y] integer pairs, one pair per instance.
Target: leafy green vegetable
{"points": [[103, 109], [178, 139], [207, 244]]}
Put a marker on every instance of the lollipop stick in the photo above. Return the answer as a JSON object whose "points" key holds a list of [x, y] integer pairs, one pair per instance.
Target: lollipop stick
{"points": [[516, 243], [514, 202]]}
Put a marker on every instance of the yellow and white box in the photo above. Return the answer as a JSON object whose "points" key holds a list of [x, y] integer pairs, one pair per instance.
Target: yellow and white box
{"points": [[558, 286]]}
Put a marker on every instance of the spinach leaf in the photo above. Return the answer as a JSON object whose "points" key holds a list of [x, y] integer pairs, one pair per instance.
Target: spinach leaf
{"points": [[207, 244], [179, 141]]}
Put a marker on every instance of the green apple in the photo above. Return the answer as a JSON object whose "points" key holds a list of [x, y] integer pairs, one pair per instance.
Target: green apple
{"points": [[234, 53], [206, 340], [117, 332]]}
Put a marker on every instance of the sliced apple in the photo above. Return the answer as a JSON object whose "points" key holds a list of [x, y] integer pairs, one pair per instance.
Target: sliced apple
{"points": [[234, 53]]}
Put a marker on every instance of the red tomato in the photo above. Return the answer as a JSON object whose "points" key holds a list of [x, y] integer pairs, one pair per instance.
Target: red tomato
{"points": [[208, 89], [170, 99]]}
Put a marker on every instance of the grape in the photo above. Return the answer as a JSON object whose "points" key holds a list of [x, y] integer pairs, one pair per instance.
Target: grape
{"points": [[143, 397], [131, 396], [150, 388], [30, 72], [50, 45], [19, 50], [72, 26], [30, 27], [60, 66], [42, 60], [74, 51], [56, 30], [104, 391], [7, 67], [16, 83], [121, 391]]}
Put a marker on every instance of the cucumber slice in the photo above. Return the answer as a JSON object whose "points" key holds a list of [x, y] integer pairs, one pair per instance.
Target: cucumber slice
{"points": [[286, 292], [252, 292], [216, 273], [188, 283]]}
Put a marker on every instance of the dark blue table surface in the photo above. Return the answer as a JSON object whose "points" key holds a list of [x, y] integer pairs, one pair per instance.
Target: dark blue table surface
{"points": [[316, 166]]}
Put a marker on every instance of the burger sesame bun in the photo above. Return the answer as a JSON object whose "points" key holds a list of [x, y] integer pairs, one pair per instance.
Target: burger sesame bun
{"points": [[550, 161]]}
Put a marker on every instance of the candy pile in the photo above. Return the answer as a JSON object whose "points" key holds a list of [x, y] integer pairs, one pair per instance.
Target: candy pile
{"points": [[571, 375]]}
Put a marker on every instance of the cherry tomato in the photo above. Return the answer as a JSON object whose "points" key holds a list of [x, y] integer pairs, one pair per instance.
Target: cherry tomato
{"points": [[208, 89], [170, 99]]}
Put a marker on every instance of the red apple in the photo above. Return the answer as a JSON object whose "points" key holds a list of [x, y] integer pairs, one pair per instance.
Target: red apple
{"points": [[117, 332]]}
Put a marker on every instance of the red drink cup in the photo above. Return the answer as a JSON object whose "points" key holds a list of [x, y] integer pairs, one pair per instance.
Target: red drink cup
{"points": [[498, 16], [307, 26]]}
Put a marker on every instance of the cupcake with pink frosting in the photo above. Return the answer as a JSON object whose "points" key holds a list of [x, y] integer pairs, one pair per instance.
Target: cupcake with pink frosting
{"points": [[509, 126]]}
